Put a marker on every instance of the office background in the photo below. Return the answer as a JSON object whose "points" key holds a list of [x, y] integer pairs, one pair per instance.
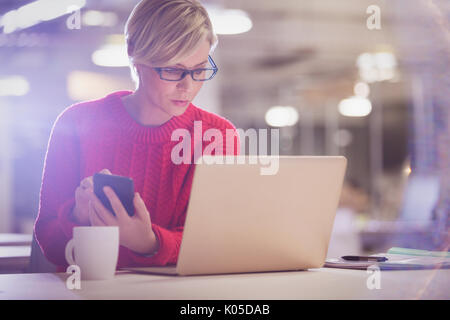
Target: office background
{"points": [[367, 79]]}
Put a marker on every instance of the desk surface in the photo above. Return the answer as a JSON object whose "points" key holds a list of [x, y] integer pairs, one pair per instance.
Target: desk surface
{"points": [[321, 283]]}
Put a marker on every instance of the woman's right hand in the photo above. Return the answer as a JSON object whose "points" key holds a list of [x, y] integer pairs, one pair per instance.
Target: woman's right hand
{"points": [[81, 209]]}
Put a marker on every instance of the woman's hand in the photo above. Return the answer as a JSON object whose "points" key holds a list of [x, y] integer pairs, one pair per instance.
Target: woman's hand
{"points": [[135, 232], [81, 209]]}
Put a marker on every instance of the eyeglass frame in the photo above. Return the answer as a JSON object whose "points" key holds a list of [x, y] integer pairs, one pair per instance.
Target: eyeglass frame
{"points": [[191, 72]]}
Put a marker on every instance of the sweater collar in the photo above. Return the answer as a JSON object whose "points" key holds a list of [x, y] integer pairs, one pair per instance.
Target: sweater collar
{"points": [[147, 134]]}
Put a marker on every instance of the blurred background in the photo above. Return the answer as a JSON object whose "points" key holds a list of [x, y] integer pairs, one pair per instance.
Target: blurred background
{"points": [[366, 79]]}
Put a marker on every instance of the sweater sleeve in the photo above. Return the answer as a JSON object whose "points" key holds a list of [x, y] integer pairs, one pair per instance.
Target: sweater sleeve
{"points": [[170, 239], [60, 178]]}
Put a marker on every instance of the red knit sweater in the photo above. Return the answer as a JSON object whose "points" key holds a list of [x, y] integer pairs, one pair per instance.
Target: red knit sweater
{"points": [[93, 135]]}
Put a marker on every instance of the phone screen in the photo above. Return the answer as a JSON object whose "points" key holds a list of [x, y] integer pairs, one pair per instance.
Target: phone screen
{"points": [[122, 186]]}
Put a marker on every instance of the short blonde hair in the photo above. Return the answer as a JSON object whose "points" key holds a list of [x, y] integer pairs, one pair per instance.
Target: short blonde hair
{"points": [[161, 32]]}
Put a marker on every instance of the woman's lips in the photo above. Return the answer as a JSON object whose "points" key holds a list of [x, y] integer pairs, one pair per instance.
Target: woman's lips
{"points": [[180, 103]]}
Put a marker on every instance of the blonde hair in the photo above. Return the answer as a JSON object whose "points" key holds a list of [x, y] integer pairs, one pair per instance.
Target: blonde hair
{"points": [[161, 32]]}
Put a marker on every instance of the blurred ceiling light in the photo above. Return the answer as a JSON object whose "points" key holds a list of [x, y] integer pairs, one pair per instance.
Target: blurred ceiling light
{"points": [[85, 85], [369, 75], [355, 107], [365, 61], [14, 86], [99, 18], [281, 116], [117, 38], [385, 60], [36, 12], [407, 168], [111, 55], [229, 21], [377, 66], [343, 138], [361, 89], [407, 171]]}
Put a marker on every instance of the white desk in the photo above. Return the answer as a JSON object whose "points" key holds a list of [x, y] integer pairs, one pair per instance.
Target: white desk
{"points": [[313, 284]]}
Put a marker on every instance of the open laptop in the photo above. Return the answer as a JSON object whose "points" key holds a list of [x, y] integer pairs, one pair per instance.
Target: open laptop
{"points": [[240, 220]]}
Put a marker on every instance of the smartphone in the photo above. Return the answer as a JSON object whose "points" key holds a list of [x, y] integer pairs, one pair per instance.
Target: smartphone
{"points": [[122, 186]]}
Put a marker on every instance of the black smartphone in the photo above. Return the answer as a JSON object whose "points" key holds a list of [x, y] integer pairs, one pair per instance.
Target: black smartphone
{"points": [[122, 186]]}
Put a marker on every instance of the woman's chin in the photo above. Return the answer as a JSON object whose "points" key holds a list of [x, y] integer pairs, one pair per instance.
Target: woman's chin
{"points": [[178, 110]]}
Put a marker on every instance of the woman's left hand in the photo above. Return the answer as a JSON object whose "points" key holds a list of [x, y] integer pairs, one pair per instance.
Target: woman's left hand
{"points": [[135, 232]]}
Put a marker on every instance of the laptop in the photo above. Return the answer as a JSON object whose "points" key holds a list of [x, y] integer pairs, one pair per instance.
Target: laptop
{"points": [[241, 219]]}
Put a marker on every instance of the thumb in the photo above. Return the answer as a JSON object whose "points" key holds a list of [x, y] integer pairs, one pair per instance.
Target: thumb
{"points": [[105, 171], [141, 209]]}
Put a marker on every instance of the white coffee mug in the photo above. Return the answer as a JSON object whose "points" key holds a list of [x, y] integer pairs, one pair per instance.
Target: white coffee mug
{"points": [[95, 250]]}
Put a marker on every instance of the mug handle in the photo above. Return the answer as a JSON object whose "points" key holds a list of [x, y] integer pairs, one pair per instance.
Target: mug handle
{"points": [[69, 252]]}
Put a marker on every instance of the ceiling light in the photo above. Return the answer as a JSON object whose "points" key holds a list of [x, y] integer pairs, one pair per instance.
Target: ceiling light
{"points": [[377, 66], [281, 116], [229, 21], [407, 171], [86, 85], [36, 12], [355, 107], [99, 18], [111, 55], [14, 86]]}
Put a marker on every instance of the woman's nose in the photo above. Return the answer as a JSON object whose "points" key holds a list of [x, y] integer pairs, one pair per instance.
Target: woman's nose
{"points": [[185, 83]]}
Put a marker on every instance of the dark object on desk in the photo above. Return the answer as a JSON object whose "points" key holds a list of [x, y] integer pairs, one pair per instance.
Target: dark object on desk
{"points": [[364, 258], [122, 186], [395, 262]]}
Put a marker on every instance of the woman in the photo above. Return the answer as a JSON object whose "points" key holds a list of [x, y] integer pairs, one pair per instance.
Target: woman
{"points": [[129, 133]]}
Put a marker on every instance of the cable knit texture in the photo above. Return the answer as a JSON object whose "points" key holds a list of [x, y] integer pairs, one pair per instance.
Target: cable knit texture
{"points": [[93, 135]]}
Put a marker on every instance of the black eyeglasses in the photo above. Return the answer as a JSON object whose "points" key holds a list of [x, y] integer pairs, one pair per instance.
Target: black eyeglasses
{"points": [[177, 74]]}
